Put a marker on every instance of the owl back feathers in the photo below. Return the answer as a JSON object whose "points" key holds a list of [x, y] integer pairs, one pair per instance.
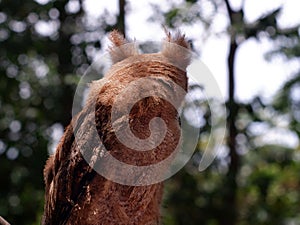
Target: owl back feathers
{"points": [[74, 192]]}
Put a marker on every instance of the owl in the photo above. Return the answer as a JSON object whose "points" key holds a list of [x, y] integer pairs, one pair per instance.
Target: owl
{"points": [[130, 118]]}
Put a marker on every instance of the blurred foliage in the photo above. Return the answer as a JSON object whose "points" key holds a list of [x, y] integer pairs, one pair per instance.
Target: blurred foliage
{"points": [[46, 45], [267, 178]]}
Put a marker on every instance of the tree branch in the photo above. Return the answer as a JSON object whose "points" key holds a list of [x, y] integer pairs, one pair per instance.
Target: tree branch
{"points": [[3, 221], [230, 194], [229, 10], [121, 25]]}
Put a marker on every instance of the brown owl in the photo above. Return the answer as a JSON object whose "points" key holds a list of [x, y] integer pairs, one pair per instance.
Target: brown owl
{"points": [[128, 118]]}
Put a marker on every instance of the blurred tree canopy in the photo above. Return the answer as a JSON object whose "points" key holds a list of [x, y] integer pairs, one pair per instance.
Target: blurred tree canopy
{"points": [[253, 182], [44, 47]]}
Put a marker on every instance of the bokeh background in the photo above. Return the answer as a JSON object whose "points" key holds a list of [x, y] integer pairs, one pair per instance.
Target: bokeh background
{"points": [[47, 45]]}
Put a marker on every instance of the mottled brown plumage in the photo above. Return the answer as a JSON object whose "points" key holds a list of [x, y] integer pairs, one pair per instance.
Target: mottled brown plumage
{"points": [[77, 194]]}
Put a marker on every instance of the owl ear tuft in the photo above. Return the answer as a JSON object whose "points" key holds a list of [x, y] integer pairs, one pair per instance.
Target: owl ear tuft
{"points": [[177, 49], [121, 48]]}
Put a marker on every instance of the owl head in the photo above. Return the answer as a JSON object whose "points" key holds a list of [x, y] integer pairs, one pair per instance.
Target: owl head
{"points": [[171, 62], [135, 108]]}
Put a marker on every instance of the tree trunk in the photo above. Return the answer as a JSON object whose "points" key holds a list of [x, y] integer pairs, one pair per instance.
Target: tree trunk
{"points": [[230, 184], [230, 214], [121, 24]]}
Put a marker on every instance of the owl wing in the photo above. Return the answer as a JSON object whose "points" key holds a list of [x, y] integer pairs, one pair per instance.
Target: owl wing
{"points": [[67, 172]]}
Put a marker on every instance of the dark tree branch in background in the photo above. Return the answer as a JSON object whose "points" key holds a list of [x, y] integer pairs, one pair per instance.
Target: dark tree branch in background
{"points": [[230, 216], [229, 10], [121, 24]]}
